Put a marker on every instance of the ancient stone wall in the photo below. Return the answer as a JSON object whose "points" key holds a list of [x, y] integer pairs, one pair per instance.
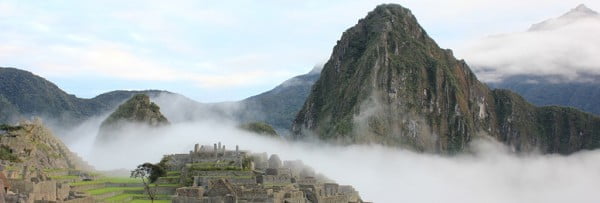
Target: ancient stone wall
{"points": [[294, 196], [221, 173], [62, 191], [331, 189], [350, 192], [45, 190], [275, 179], [183, 199], [165, 190], [334, 199], [21, 186]]}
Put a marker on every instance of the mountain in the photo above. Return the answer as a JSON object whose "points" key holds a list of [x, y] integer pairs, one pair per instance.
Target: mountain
{"points": [[23, 94], [31, 144], [574, 15], [388, 82], [278, 106], [566, 46], [583, 91], [259, 128], [138, 109], [548, 90]]}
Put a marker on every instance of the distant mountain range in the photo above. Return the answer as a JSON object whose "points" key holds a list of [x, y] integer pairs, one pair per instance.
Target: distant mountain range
{"points": [[279, 106], [24, 94], [548, 90]]}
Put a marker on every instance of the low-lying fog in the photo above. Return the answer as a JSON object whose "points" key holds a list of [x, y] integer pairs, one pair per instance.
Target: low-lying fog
{"points": [[380, 174]]}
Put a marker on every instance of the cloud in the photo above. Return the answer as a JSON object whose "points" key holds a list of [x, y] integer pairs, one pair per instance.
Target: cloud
{"points": [[559, 47], [131, 42], [488, 172], [96, 58], [380, 174]]}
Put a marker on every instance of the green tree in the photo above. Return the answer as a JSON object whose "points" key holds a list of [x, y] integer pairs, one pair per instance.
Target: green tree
{"points": [[149, 173]]}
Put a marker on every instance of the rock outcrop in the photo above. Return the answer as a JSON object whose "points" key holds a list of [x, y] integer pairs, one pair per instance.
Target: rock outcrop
{"points": [[137, 110], [31, 144], [259, 128], [388, 82]]}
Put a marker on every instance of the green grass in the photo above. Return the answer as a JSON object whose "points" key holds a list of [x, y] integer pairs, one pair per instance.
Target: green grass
{"points": [[64, 177], [137, 198], [148, 201], [49, 170], [167, 185], [108, 180], [10, 168], [113, 189], [173, 173], [6, 154], [119, 197]]}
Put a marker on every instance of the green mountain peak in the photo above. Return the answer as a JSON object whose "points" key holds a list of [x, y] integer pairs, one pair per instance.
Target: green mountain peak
{"points": [[137, 110]]}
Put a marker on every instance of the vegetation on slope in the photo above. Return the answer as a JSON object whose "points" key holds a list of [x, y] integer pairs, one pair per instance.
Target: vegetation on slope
{"points": [[32, 144], [542, 91], [260, 128]]}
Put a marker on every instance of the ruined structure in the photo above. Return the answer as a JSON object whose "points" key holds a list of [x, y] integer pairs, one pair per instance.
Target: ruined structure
{"points": [[31, 156], [32, 185], [214, 174]]}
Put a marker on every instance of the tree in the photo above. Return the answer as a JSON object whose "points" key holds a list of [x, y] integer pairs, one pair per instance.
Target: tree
{"points": [[149, 173]]}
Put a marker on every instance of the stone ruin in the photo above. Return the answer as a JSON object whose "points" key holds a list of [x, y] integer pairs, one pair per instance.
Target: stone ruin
{"points": [[214, 174], [33, 185]]}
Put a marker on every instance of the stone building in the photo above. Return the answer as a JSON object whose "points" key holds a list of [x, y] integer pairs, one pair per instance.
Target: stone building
{"points": [[215, 175]]}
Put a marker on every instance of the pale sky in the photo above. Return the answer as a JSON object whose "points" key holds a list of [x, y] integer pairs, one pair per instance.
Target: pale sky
{"points": [[220, 50]]}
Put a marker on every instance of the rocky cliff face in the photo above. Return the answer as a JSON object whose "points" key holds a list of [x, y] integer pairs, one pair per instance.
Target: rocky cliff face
{"points": [[138, 109], [550, 129], [388, 82], [33, 145]]}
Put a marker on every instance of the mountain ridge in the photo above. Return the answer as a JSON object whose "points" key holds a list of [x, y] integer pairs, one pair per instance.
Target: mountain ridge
{"points": [[563, 86], [277, 106], [573, 15], [388, 82]]}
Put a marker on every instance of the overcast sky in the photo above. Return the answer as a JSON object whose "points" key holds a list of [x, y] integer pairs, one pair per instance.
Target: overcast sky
{"points": [[220, 50]]}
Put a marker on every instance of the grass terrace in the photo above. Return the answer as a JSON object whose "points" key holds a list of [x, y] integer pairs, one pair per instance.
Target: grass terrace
{"points": [[212, 166], [115, 189], [108, 180], [67, 177]]}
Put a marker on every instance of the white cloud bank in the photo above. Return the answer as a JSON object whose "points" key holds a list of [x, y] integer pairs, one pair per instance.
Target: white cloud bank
{"points": [[489, 174], [567, 46], [383, 174]]}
